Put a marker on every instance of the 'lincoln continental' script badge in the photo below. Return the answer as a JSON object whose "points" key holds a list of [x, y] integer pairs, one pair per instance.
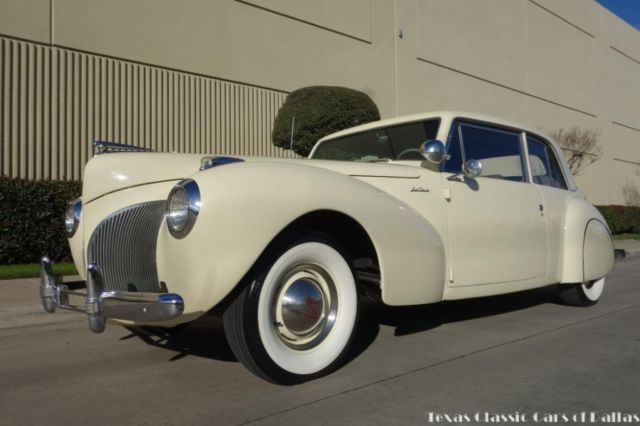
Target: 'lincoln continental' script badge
{"points": [[419, 189]]}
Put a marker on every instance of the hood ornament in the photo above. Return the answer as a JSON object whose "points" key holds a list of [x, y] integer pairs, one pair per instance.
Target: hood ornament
{"points": [[209, 162], [104, 147]]}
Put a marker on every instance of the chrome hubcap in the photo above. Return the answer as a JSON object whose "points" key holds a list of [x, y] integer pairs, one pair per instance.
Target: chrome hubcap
{"points": [[305, 306], [302, 306]]}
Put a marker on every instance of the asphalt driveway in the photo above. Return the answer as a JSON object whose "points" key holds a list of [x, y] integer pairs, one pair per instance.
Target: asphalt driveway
{"points": [[515, 355]]}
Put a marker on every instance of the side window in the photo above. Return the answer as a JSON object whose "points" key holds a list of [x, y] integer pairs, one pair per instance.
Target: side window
{"points": [[545, 169], [500, 151]]}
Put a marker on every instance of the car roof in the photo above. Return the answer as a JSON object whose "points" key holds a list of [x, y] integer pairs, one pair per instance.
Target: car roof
{"points": [[390, 122], [448, 116]]}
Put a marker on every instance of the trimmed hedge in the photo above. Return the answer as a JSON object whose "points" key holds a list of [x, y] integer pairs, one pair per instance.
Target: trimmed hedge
{"points": [[32, 219], [622, 219], [319, 111]]}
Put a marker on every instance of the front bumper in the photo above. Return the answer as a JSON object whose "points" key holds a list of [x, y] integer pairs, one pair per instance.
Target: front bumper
{"points": [[100, 305]]}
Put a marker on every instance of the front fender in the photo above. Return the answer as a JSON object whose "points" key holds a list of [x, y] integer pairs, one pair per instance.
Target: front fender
{"points": [[244, 207]]}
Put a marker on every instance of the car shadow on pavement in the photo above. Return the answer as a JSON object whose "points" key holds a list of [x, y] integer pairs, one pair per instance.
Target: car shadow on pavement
{"points": [[205, 336], [415, 319]]}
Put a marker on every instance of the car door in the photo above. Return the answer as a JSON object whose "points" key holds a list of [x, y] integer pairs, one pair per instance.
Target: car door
{"points": [[547, 174], [496, 225]]}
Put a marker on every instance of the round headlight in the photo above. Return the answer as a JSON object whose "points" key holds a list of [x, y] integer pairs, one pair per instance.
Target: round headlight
{"points": [[183, 206], [72, 216]]}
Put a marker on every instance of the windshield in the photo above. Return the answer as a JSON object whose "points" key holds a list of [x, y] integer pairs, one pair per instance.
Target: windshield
{"points": [[400, 142]]}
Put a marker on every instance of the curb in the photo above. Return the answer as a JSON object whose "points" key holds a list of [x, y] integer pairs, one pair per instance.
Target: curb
{"points": [[623, 253], [626, 248]]}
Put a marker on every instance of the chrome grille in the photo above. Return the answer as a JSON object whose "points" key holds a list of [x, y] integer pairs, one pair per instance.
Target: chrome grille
{"points": [[124, 247]]}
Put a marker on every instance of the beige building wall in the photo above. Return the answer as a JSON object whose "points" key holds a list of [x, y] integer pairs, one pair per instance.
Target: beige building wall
{"points": [[209, 76], [56, 102]]}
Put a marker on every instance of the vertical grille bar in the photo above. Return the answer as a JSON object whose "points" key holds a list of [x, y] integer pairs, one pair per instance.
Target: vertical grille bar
{"points": [[124, 247]]}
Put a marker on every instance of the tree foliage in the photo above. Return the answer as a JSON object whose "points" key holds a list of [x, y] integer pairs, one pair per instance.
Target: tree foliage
{"points": [[581, 147], [316, 111], [631, 192]]}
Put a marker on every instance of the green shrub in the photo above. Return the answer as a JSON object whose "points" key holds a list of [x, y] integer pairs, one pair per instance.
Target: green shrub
{"points": [[319, 111], [32, 219], [622, 219]]}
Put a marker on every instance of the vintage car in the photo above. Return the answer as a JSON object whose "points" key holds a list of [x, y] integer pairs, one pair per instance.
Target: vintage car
{"points": [[412, 210]]}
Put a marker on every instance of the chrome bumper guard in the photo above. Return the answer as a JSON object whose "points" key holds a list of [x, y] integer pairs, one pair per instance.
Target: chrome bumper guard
{"points": [[101, 305]]}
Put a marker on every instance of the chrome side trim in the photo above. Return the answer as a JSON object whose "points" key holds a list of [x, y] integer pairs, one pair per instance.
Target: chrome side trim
{"points": [[105, 147], [101, 305]]}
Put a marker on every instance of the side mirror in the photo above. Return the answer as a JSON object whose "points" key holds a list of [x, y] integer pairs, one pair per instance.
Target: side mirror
{"points": [[433, 151], [472, 168]]}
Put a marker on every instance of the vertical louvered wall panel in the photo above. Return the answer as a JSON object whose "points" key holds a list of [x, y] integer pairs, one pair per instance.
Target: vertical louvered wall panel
{"points": [[55, 102]]}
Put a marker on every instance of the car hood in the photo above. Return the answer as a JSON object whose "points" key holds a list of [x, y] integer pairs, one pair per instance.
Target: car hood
{"points": [[106, 173], [112, 172], [352, 168]]}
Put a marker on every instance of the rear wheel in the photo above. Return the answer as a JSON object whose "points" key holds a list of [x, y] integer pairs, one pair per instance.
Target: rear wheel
{"points": [[582, 294], [295, 319]]}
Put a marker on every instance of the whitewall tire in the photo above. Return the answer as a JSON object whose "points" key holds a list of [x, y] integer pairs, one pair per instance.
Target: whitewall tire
{"points": [[294, 320], [582, 294]]}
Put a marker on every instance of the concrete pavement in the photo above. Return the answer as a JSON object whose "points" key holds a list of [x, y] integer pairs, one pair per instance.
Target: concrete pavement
{"points": [[517, 353]]}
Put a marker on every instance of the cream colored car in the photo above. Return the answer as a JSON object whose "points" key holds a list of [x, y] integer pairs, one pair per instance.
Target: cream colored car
{"points": [[410, 211]]}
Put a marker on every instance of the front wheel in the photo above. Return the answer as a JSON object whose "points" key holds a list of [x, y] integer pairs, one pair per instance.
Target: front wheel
{"points": [[582, 294], [295, 319]]}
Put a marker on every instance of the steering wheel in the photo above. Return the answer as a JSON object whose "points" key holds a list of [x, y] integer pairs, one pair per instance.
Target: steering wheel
{"points": [[407, 151]]}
